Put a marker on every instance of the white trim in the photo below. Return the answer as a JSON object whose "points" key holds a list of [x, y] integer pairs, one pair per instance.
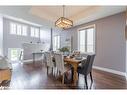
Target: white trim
{"points": [[126, 75], [57, 40], [28, 60], [31, 60], [111, 71], [21, 20], [86, 27]]}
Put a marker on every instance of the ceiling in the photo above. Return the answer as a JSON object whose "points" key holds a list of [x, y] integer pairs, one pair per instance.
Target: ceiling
{"points": [[52, 13], [47, 15]]}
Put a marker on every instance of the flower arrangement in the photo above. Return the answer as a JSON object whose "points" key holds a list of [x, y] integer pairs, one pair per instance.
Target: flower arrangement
{"points": [[64, 49]]}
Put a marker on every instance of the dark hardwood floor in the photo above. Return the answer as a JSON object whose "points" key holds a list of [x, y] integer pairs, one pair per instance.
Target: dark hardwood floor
{"points": [[34, 76]]}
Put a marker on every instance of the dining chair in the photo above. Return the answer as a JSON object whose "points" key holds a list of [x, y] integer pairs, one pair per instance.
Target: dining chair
{"points": [[49, 61], [61, 66], [85, 68], [76, 52]]}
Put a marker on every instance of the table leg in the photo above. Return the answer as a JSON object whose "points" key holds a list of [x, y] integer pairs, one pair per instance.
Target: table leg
{"points": [[42, 58], [33, 58], [75, 76]]}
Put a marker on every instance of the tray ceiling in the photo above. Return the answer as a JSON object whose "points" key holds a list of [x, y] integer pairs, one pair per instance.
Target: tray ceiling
{"points": [[47, 15]]}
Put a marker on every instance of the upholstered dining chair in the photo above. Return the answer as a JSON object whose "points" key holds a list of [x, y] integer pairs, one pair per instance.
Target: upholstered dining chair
{"points": [[85, 68], [61, 66], [49, 60], [5, 69]]}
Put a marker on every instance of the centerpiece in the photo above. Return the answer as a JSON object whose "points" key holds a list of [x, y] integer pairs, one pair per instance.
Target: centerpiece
{"points": [[65, 50]]}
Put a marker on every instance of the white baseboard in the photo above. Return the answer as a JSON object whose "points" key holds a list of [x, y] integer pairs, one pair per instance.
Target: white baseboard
{"points": [[28, 60], [126, 76], [31, 60], [111, 71]]}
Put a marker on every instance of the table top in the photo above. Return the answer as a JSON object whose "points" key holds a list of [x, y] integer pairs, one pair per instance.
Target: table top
{"points": [[73, 60]]}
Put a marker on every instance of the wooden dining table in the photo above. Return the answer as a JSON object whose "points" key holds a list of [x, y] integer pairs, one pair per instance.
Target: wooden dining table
{"points": [[74, 62]]}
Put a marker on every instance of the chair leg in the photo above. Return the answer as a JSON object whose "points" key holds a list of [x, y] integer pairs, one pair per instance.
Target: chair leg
{"points": [[72, 72], [86, 81], [47, 70], [78, 75], [52, 70], [63, 79], [57, 72], [91, 77]]}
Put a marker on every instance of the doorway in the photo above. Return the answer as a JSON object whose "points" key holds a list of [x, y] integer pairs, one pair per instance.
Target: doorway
{"points": [[15, 54]]}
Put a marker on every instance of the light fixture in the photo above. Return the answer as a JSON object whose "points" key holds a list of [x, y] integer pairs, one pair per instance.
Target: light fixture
{"points": [[63, 22]]}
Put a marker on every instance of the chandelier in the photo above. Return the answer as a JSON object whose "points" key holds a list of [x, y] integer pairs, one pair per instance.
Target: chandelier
{"points": [[63, 22]]}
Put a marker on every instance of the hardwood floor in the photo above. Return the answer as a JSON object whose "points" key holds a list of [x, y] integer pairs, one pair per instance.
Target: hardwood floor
{"points": [[34, 76]]}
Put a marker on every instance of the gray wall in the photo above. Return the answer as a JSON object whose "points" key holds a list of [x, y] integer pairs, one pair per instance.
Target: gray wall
{"points": [[1, 35], [45, 35], [14, 41], [110, 41]]}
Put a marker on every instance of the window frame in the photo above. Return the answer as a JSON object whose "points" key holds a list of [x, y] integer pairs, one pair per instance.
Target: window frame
{"points": [[59, 41], [26, 30], [94, 44], [19, 29], [11, 25], [16, 29], [34, 32]]}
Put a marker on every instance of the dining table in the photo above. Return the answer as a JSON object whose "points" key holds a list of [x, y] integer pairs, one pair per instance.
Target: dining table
{"points": [[74, 62]]}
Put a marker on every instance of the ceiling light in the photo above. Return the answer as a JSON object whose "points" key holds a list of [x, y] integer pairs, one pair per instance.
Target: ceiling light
{"points": [[63, 22]]}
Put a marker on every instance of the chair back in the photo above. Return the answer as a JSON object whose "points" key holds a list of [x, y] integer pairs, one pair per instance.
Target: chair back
{"points": [[49, 59], [76, 52], [87, 65], [59, 62]]}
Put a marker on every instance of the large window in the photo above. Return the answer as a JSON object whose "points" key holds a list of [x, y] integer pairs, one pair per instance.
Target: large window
{"points": [[18, 29], [56, 42], [86, 39], [34, 32]]}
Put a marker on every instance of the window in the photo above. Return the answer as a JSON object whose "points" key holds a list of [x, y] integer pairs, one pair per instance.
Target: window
{"points": [[34, 32], [86, 39], [56, 43], [18, 29], [12, 28], [24, 30]]}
